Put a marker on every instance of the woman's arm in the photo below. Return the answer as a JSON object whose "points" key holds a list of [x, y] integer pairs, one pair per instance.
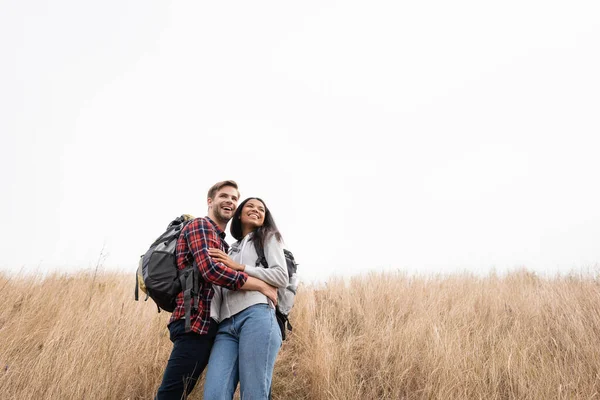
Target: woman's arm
{"points": [[252, 283], [276, 275]]}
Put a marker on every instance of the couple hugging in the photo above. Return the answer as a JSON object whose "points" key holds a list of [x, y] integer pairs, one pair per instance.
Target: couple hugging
{"points": [[234, 329]]}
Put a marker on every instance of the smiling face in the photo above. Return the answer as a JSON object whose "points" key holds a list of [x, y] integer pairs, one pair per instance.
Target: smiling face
{"points": [[223, 205], [252, 215]]}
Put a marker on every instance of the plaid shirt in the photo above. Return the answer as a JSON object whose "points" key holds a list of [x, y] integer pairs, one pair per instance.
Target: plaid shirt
{"points": [[194, 241]]}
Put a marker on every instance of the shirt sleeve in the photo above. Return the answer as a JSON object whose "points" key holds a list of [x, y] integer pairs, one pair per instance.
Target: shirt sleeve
{"points": [[276, 275], [200, 236]]}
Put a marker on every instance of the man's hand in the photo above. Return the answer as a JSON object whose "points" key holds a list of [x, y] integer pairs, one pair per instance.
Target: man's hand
{"points": [[221, 256]]}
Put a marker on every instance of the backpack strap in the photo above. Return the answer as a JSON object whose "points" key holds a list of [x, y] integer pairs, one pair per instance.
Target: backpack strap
{"points": [[261, 257], [283, 322], [189, 285]]}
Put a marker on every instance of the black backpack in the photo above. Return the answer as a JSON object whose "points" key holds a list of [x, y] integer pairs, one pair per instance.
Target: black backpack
{"points": [[158, 276], [285, 297]]}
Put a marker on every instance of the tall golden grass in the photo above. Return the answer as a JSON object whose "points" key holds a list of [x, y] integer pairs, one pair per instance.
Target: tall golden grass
{"points": [[377, 336]]}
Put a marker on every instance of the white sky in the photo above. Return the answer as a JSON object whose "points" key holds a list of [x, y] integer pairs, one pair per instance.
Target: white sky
{"points": [[427, 136]]}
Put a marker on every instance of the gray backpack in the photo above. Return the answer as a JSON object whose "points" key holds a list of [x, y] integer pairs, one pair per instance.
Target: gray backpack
{"points": [[158, 276], [287, 296]]}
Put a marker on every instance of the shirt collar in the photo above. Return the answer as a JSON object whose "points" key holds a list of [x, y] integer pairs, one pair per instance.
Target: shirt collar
{"points": [[221, 233]]}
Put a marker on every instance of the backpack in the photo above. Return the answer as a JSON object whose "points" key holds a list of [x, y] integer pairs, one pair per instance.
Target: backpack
{"points": [[158, 276], [285, 297]]}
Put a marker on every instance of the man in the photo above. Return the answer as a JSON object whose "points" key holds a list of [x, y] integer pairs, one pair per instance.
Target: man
{"points": [[191, 350]]}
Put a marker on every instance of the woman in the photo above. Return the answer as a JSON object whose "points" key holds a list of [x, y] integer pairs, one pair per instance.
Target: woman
{"points": [[248, 338]]}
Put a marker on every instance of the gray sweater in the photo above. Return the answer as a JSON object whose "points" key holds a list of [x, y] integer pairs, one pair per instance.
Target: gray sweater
{"points": [[227, 303]]}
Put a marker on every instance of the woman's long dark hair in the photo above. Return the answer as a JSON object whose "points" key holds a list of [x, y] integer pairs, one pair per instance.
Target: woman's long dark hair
{"points": [[261, 233]]}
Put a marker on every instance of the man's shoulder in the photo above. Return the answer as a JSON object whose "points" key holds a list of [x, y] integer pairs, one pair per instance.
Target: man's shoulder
{"points": [[202, 224]]}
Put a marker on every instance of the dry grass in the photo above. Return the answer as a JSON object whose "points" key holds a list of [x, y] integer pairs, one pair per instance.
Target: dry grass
{"points": [[383, 336]]}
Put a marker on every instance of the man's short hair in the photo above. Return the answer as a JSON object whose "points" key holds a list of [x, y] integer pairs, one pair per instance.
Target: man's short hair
{"points": [[220, 185]]}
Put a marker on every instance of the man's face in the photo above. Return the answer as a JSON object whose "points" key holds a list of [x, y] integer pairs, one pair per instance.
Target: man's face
{"points": [[222, 207]]}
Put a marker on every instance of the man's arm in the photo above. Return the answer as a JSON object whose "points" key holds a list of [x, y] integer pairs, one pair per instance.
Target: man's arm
{"points": [[263, 286], [200, 235]]}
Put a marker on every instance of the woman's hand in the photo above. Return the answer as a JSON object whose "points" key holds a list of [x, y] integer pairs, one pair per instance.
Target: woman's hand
{"points": [[263, 287], [221, 256], [270, 292]]}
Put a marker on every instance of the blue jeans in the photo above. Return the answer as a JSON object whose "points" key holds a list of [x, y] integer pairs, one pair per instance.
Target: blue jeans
{"points": [[187, 361], [244, 351]]}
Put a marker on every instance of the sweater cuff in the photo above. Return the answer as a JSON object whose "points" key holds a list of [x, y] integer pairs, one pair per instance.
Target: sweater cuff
{"points": [[249, 269]]}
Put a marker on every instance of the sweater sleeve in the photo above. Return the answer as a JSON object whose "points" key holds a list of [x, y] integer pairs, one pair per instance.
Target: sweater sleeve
{"points": [[276, 274]]}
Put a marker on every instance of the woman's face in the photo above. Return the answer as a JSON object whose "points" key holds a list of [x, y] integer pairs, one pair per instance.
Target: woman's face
{"points": [[253, 214]]}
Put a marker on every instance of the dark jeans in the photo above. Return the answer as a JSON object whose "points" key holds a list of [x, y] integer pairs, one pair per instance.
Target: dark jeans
{"points": [[188, 359]]}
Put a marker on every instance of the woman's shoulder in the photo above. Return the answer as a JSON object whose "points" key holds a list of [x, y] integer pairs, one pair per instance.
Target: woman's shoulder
{"points": [[273, 240], [246, 238], [235, 246]]}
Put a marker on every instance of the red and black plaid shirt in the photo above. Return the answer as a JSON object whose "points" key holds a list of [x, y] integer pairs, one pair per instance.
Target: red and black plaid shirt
{"points": [[193, 244]]}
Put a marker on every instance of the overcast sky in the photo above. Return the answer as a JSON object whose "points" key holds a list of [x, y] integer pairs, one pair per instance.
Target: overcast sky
{"points": [[424, 136]]}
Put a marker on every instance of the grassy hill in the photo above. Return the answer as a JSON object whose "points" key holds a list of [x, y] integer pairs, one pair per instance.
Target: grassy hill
{"points": [[378, 336]]}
